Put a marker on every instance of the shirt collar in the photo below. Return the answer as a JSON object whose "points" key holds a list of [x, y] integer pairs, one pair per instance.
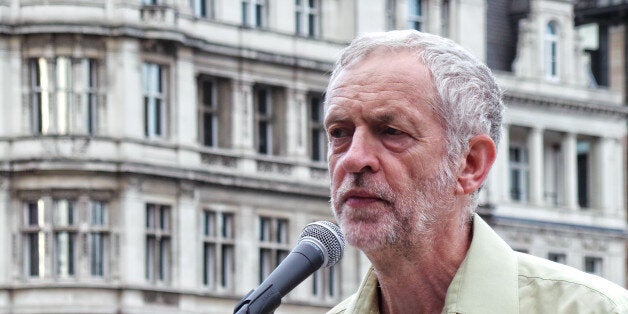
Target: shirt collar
{"points": [[486, 281]]}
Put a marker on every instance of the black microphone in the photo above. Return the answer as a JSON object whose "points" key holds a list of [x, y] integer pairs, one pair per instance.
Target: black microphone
{"points": [[321, 244]]}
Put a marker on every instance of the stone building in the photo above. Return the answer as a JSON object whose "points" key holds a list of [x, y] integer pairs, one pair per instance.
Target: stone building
{"points": [[161, 156]]}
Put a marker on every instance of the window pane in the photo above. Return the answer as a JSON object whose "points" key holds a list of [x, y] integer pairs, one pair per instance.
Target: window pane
{"points": [[208, 129], [33, 214], [64, 253], [158, 117], [245, 13], [97, 213], [164, 218], [262, 102], [265, 265], [227, 266], [164, 253], [64, 213], [209, 256], [264, 229], [259, 15], [209, 224], [227, 226], [33, 251], [97, 253]]}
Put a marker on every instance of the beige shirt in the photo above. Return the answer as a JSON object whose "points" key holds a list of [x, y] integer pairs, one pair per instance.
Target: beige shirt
{"points": [[495, 279]]}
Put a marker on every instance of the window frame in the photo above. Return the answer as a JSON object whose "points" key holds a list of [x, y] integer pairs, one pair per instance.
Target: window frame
{"points": [[158, 245], [212, 110], [64, 102], [254, 13], [417, 17], [61, 229], [264, 120], [551, 39], [316, 127], [273, 243], [522, 167], [308, 18], [155, 99], [204, 9], [220, 243]]}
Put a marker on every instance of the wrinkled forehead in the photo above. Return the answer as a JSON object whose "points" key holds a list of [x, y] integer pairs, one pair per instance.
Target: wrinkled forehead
{"points": [[390, 68]]}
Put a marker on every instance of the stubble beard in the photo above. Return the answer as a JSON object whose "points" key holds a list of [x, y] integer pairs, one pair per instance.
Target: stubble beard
{"points": [[413, 214]]}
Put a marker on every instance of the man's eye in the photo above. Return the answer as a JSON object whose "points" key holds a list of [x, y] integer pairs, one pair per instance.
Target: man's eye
{"points": [[336, 133], [392, 131]]}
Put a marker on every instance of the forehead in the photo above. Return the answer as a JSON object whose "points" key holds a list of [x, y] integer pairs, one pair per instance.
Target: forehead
{"points": [[396, 80]]}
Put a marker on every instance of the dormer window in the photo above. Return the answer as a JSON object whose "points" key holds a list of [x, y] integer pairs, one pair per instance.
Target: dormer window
{"points": [[551, 50]]}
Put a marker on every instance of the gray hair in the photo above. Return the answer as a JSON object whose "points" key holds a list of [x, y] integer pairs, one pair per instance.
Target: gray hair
{"points": [[470, 102]]}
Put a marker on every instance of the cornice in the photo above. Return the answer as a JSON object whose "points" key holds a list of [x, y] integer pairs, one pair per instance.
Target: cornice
{"points": [[236, 180], [177, 36], [558, 103]]}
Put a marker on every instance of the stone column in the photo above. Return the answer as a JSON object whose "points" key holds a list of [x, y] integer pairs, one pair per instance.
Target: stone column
{"points": [[501, 175], [243, 116], [535, 146], [187, 238], [297, 123], [132, 234], [243, 131], [247, 251], [605, 175], [570, 171]]}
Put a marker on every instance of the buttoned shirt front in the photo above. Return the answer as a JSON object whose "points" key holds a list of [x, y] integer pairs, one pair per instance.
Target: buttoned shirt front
{"points": [[495, 279]]}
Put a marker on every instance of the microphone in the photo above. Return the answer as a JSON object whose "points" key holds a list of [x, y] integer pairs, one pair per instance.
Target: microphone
{"points": [[321, 244]]}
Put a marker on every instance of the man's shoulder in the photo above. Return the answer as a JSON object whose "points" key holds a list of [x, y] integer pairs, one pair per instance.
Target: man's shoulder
{"points": [[542, 283]]}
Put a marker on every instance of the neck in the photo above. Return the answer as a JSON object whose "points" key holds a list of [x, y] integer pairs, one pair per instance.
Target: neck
{"points": [[414, 275]]}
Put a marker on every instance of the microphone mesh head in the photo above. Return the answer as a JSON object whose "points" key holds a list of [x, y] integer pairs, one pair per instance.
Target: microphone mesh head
{"points": [[329, 234]]}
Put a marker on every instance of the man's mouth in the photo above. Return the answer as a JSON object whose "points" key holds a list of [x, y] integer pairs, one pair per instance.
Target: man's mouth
{"points": [[359, 198]]}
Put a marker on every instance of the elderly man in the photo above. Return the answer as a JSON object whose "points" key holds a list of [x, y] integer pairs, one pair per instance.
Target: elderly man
{"points": [[413, 121]]}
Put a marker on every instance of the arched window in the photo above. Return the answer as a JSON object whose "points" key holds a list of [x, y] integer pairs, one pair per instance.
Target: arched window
{"points": [[551, 50]]}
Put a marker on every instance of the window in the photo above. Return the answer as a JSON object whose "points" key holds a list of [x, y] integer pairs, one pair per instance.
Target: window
{"points": [[415, 14], [254, 13], [391, 14], [593, 265], [218, 249], [150, 2], [444, 18], [274, 247], [551, 50], [52, 238], [557, 257], [202, 8], [307, 17], [65, 230], [264, 120], [154, 100], [318, 137], [97, 238], [519, 173], [208, 111], [325, 283], [64, 95], [34, 239], [583, 148], [158, 250]]}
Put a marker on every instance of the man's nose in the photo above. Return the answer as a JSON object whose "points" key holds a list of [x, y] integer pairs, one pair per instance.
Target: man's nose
{"points": [[362, 154]]}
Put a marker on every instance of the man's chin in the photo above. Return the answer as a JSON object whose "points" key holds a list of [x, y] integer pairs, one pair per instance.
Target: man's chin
{"points": [[366, 235]]}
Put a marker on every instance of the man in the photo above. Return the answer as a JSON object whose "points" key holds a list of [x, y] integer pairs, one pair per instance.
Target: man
{"points": [[413, 121]]}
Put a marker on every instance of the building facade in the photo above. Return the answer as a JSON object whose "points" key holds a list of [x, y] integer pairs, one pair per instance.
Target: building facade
{"points": [[162, 156]]}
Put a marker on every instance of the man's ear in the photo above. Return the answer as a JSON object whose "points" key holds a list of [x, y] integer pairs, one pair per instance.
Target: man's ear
{"points": [[476, 164]]}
